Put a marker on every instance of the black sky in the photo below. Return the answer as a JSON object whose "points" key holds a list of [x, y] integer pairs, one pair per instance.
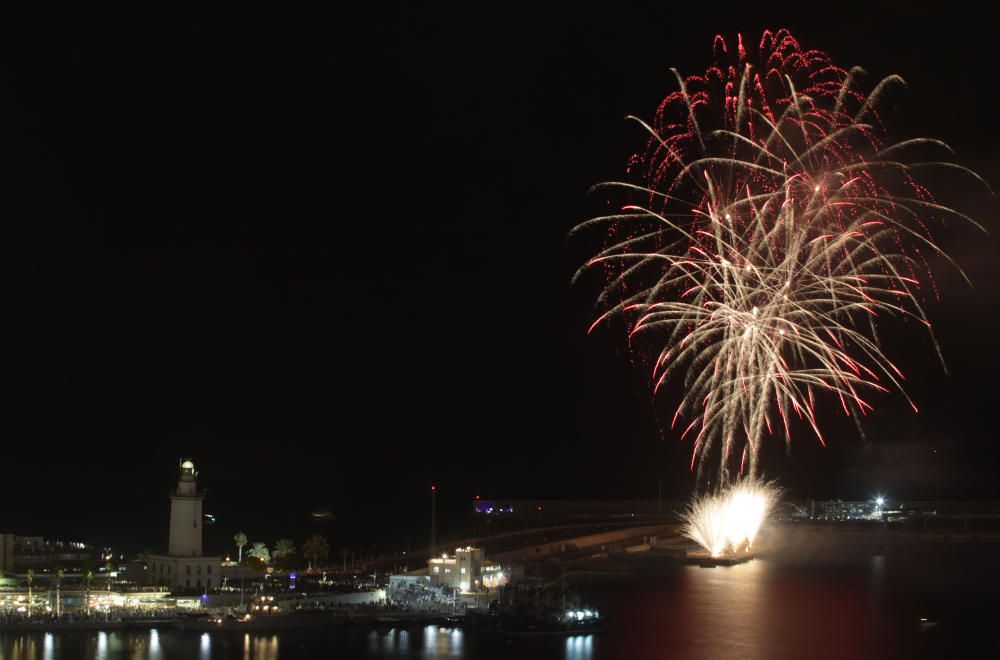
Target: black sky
{"points": [[324, 255]]}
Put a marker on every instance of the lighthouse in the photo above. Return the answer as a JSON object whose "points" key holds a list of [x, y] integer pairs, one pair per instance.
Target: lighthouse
{"points": [[183, 566], [185, 514]]}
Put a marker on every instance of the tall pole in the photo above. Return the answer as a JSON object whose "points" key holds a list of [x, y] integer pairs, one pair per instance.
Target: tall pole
{"points": [[239, 569], [433, 522], [563, 613]]}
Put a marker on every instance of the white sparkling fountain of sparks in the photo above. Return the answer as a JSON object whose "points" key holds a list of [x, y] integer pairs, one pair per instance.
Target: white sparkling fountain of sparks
{"points": [[729, 520]]}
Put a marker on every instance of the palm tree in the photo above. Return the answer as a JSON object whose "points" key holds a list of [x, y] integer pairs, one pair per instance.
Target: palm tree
{"points": [[241, 540], [284, 549], [59, 575], [88, 577], [315, 548], [31, 578], [260, 552]]}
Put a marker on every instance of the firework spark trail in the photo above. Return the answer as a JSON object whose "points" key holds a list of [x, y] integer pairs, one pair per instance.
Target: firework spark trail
{"points": [[768, 229]]}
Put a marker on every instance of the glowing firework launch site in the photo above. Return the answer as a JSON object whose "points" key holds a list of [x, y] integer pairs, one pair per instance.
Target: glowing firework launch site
{"points": [[727, 522]]}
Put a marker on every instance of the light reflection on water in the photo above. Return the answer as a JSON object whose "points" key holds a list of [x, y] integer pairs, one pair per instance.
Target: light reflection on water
{"points": [[206, 646], [579, 647], [428, 642], [442, 642], [260, 647], [154, 645]]}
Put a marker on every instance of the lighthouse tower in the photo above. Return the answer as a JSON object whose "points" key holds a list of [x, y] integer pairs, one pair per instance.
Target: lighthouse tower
{"points": [[183, 567], [185, 514]]}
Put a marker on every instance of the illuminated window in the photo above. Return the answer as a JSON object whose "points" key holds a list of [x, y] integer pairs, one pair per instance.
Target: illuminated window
{"points": [[447, 570], [437, 569], [463, 570]]}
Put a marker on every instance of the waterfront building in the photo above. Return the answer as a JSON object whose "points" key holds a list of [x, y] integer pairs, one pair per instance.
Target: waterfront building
{"points": [[494, 576], [841, 510], [6, 552], [22, 553], [184, 566], [405, 582], [460, 571]]}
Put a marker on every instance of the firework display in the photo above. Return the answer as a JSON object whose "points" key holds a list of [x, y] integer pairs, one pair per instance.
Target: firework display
{"points": [[730, 519], [768, 227]]}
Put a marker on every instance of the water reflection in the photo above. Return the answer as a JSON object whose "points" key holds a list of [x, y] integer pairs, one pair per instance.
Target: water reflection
{"points": [[138, 646], [580, 647], [23, 648], [260, 647], [206, 646], [748, 583], [430, 639], [155, 651]]}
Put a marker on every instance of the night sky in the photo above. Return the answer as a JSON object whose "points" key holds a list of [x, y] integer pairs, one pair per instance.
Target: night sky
{"points": [[325, 256]]}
